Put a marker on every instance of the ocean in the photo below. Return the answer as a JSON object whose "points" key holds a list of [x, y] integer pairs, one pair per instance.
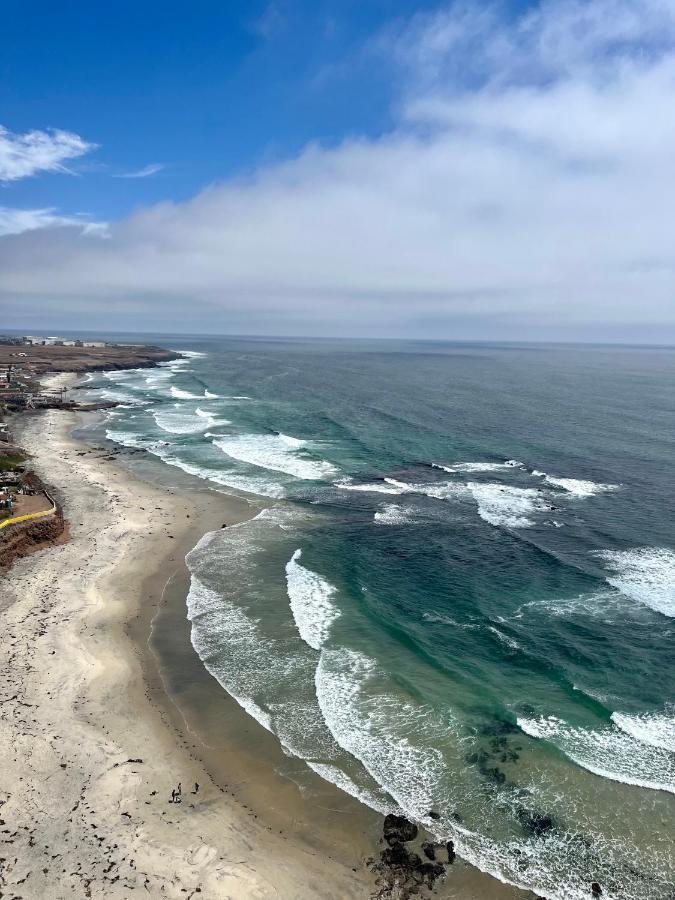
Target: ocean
{"points": [[459, 602]]}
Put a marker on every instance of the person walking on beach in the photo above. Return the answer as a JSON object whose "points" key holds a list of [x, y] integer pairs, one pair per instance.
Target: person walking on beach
{"points": [[173, 796], [180, 789], [196, 790]]}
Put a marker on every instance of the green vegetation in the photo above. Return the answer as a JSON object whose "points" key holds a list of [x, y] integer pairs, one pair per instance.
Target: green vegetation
{"points": [[10, 462]]}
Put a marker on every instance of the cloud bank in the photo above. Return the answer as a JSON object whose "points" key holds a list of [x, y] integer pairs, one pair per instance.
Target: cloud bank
{"points": [[525, 192]]}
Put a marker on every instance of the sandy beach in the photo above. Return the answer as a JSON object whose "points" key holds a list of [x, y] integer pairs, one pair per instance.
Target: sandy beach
{"points": [[89, 760]]}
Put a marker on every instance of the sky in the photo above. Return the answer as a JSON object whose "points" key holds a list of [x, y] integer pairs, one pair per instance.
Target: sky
{"points": [[382, 168]]}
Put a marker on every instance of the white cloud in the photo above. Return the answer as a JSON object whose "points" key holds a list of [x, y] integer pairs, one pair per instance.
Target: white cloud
{"points": [[145, 172], [16, 221], [527, 191], [23, 155]]}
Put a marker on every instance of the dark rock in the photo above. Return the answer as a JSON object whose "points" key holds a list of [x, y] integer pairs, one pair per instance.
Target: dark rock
{"points": [[429, 850], [450, 847], [433, 814], [596, 890], [535, 822], [398, 828]]}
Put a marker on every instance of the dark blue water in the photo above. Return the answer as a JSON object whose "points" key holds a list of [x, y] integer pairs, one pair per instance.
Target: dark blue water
{"points": [[461, 600]]}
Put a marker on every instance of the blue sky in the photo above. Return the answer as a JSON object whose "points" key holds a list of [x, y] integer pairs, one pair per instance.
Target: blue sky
{"points": [[207, 89], [467, 169]]}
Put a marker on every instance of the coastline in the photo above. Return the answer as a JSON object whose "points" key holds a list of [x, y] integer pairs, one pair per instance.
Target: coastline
{"points": [[144, 694], [80, 812]]}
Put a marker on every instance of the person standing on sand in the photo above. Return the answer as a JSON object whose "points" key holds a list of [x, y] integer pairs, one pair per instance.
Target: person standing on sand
{"points": [[196, 790], [180, 789], [173, 796]]}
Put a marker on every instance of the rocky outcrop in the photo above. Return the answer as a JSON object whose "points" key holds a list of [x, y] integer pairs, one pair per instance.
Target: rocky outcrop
{"points": [[401, 871]]}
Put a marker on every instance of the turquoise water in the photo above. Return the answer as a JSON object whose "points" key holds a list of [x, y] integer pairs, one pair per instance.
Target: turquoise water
{"points": [[460, 602]]}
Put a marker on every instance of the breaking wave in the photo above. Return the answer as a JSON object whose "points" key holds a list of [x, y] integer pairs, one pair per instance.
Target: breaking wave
{"points": [[277, 452], [609, 752], [645, 574], [311, 599], [577, 487], [657, 729], [479, 466]]}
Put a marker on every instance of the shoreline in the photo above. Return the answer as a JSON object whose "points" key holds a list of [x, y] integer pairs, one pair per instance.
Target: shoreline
{"points": [[81, 812], [319, 836]]}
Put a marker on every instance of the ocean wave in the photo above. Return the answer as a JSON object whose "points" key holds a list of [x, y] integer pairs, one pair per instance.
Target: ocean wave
{"points": [[381, 730], [479, 466], [510, 507], [378, 487], [229, 625], [277, 452], [180, 394], [657, 729], [577, 487], [645, 574], [208, 395], [121, 397], [311, 599], [182, 421], [268, 671], [608, 752], [137, 441], [223, 477]]}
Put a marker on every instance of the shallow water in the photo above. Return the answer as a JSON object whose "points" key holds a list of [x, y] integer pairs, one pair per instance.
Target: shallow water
{"points": [[462, 604]]}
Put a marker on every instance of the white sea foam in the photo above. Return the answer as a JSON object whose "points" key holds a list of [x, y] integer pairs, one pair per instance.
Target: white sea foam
{"points": [[277, 452], [121, 397], [223, 477], [239, 482], [181, 421], [238, 632], [607, 605], [312, 604], [577, 487], [509, 642], [510, 507], [645, 574], [498, 504], [479, 466], [608, 752], [208, 395], [657, 729], [188, 354], [184, 395], [378, 487], [129, 439], [392, 514], [410, 772]]}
